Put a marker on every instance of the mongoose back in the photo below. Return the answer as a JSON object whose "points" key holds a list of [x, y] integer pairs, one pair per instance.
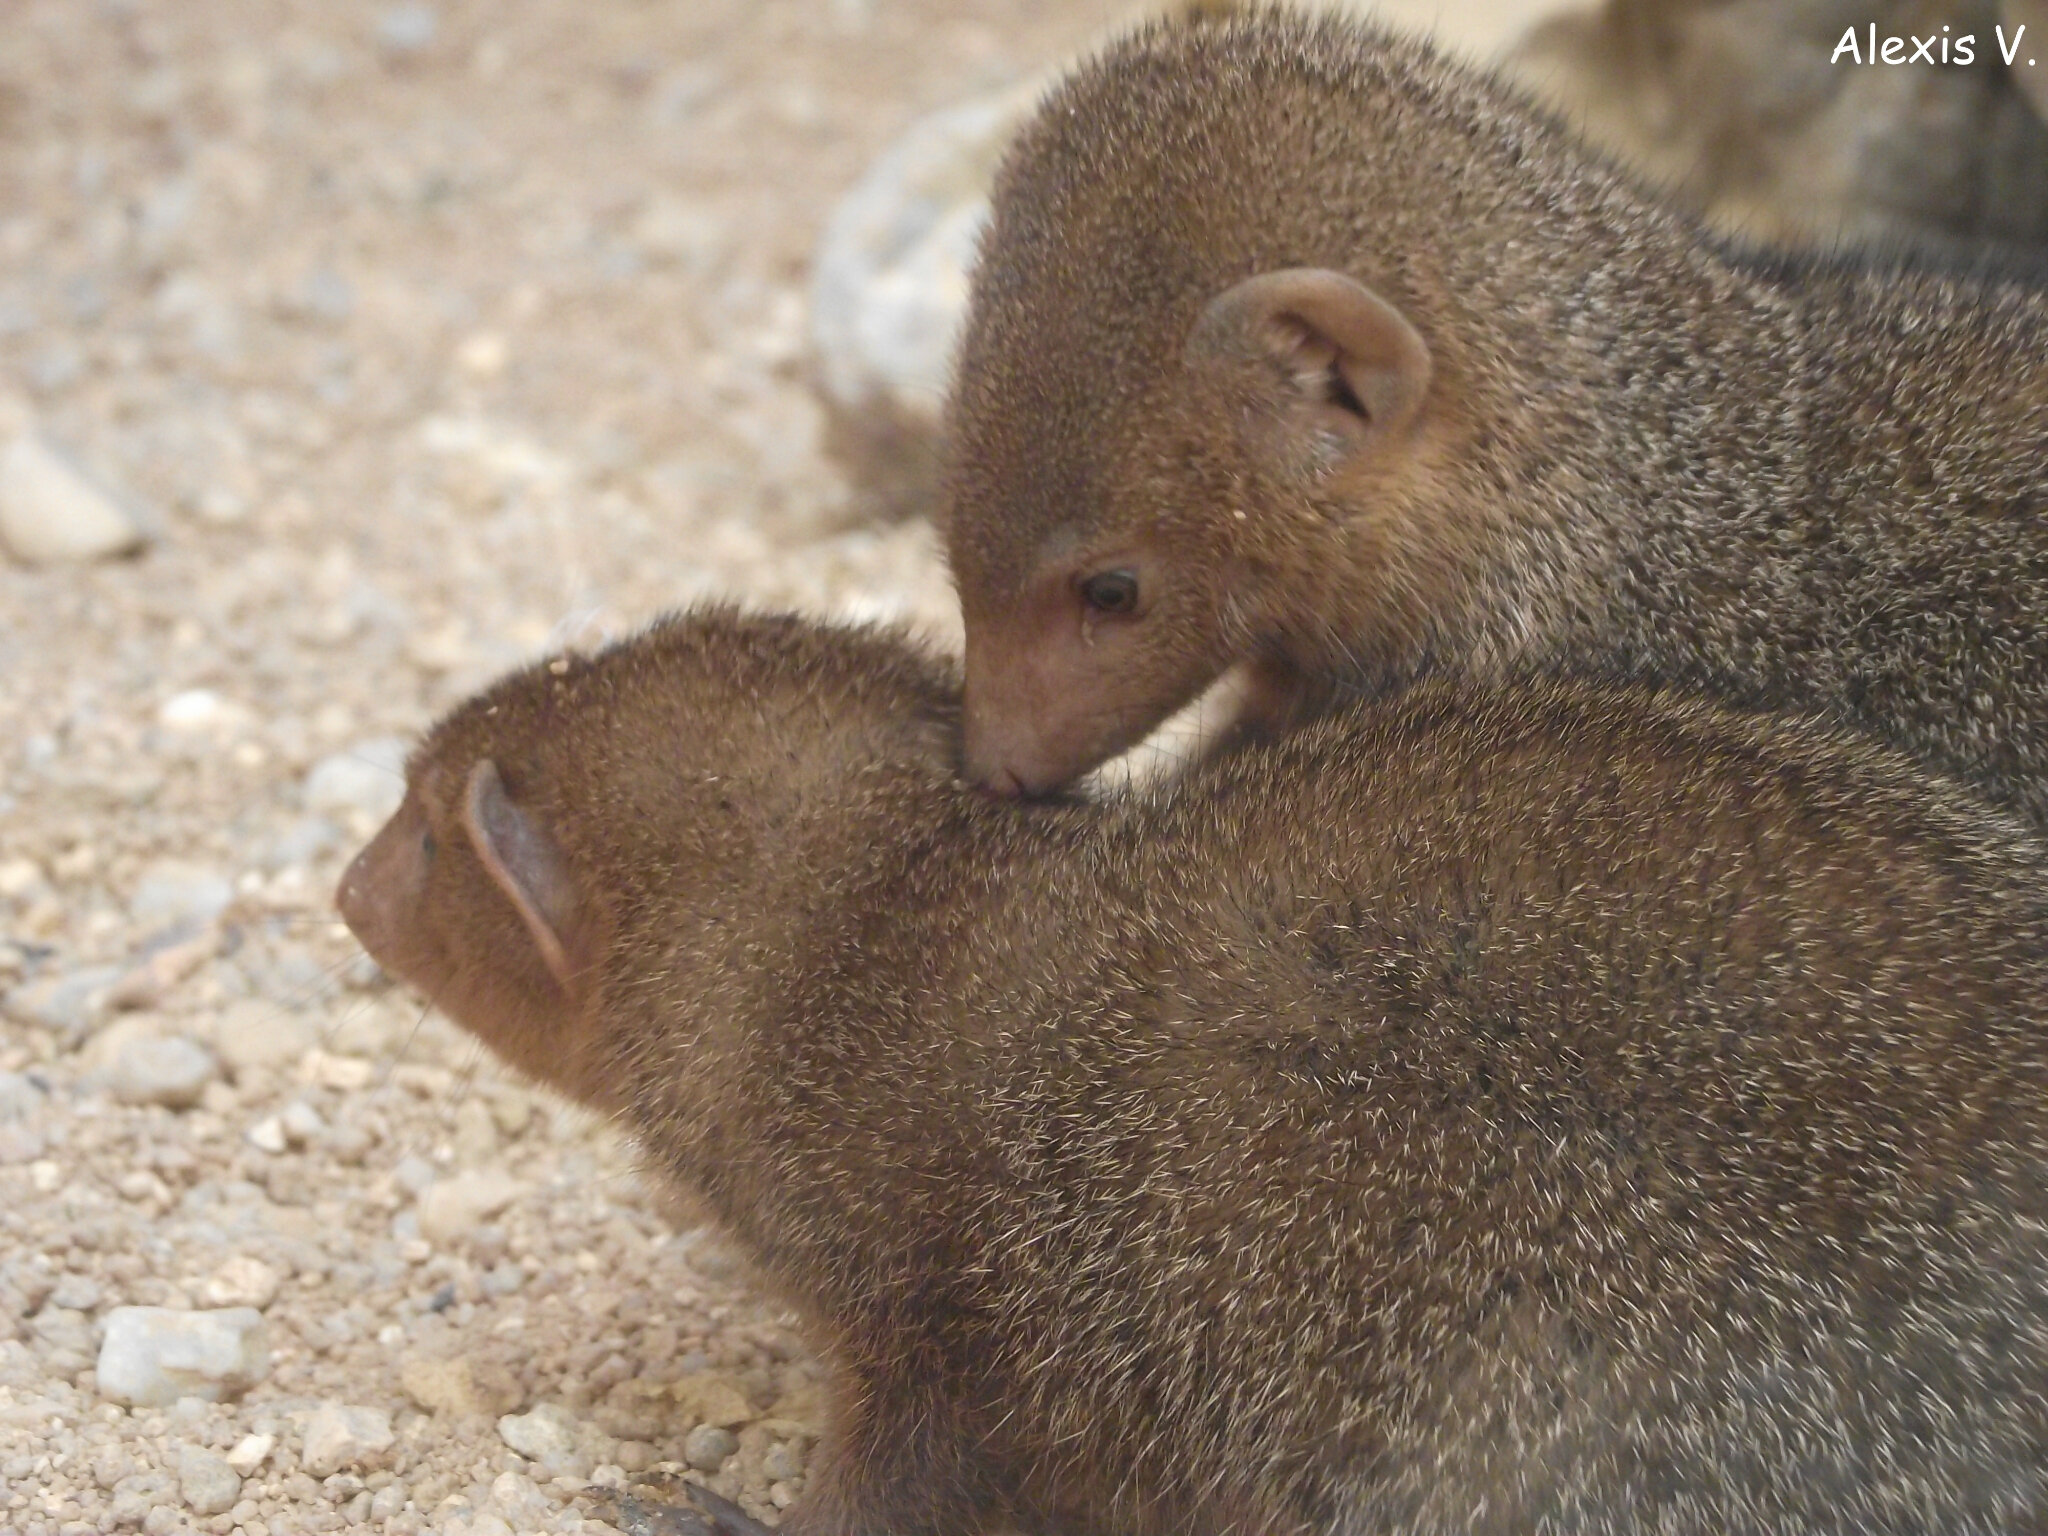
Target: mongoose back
{"points": [[1293, 345], [1553, 1110]]}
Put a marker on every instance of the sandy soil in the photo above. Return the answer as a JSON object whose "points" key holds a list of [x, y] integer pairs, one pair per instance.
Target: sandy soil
{"points": [[423, 338]]}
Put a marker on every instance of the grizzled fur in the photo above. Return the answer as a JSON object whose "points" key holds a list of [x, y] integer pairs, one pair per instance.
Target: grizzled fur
{"points": [[1552, 1109], [1791, 482]]}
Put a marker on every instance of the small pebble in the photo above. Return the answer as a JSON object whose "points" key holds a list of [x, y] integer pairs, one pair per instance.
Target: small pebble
{"points": [[301, 1122], [169, 1070], [21, 1143], [710, 1397], [267, 1135], [210, 1485], [476, 1133], [251, 1034], [153, 1356], [784, 1463], [408, 28], [81, 1293], [250, 1452], [413, 1174], [387, 1502], [171, 891], [139, 1495], [520, 1502], [196, 709], [707, 1446], [453, 1206], [66, 1004], [343, 1435], [458, 1386], [18, 877], [52, 512], [242, 1281], [546, 1434]]}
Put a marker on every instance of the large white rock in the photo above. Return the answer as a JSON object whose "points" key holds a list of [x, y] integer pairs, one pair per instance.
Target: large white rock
{"points": [[889, 285], [889, 293], [51, 511], [152, 1356]]}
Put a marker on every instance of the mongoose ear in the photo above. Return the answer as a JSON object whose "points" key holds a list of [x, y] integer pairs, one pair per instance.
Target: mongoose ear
{"points": [[1352, 368], [527, 866]]}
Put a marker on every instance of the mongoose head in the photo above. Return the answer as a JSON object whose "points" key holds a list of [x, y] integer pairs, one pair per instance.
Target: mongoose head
{"points": [[470, 896], [1206, 537], [550, 815], [1214, 377]]}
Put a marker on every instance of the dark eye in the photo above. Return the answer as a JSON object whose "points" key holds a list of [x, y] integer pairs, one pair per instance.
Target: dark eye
{"points": [[428, 847], [1111, 592]]}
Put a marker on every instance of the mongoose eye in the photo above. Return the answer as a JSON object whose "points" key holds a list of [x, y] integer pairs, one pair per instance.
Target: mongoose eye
{"points": [[1111, 592], [428, 847]]}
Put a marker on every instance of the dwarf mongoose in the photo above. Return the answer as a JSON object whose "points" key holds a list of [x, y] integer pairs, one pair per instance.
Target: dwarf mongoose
{"points": [[1294, 345], [1545, 1110]]}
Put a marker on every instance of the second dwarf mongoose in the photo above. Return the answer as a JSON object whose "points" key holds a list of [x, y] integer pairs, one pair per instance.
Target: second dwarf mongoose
{"points": [[1294, 346], [1546, 1110]]}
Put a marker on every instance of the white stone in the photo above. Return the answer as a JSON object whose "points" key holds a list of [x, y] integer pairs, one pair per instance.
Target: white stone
{"points": [[520, 1502], [267, 1135], [342, 1435], [546, 1433], [324, 1069], [483, 354], [196, 709], [172, 1071], [176, 891], [301, 1122], [52, 512], [707, 1446], [209, 1484], [408, 28], [250, 1452], [889, 289], [242, 1281], [20, 876], [152, 1356], [251, 1034], [452, 1207]]}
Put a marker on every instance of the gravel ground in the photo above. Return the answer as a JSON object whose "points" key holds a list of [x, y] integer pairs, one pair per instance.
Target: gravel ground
{"points": [[416, 339]]}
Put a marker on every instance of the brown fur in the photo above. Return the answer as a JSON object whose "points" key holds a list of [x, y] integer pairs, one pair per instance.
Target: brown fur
{"points": [[1789, 483], [1548, 1110]]}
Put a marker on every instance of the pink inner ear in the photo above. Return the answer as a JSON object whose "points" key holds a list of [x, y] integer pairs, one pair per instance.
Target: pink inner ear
{"points": [[526, 865], [1345, 348]]}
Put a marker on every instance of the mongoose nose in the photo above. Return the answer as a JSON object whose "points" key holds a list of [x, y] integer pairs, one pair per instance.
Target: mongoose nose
{"points": [[354, 898], [1004, 769], [1004, 783]]}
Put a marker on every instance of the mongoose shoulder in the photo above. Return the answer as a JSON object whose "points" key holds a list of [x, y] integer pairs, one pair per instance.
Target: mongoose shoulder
{"points": [[1292, 345], [1548, 1109]]}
